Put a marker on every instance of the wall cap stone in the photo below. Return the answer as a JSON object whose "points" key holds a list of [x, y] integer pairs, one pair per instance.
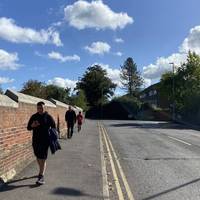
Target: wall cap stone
{"points": [[5, 101], [59, 103], [78, 108], [23, 98]]}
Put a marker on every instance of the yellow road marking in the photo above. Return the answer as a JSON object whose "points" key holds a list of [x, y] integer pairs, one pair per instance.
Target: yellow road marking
{"points": [[117, 184], [127, 187]]}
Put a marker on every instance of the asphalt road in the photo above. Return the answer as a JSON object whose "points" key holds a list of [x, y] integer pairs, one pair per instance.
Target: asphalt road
{"points": [[161, 161]]}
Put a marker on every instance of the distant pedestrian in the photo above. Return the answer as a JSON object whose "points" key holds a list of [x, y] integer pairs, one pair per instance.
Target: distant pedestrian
{"points": [[70, 118], [79, 119], [40, 123]]}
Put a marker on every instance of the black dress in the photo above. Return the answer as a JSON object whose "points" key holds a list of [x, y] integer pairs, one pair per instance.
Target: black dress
{"points": [[40, 140]]}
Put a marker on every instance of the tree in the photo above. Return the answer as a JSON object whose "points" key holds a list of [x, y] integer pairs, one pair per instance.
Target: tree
{"points": [[96, 85], [1, 90], [56, 92], [34, 88], [79, 100], [187, 86], [41, 90], [130, 77], [189, 83]]}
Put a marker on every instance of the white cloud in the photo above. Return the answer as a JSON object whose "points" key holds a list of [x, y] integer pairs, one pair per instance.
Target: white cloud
{"points": [[4, 80], [11, 32], [147, 82], [98, 48], [118, 92], [61, 82], [162, 65], [118, 53], [95, 14], [113, 74], [192, 42], [119, 40], [8, 61], [57, 56]]}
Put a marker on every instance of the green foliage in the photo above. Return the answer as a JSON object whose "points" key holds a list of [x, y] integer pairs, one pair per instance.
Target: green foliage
{"points": [[166, 85], [80, 100], [34, 88], [58, 93], [1, 90], [187, 86], [41, 90], [97, 87], [130, 77], [130, 102]]}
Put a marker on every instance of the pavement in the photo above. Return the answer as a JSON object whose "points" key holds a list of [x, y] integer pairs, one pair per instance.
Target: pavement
{"points": [[72, 173], [161, 160]]}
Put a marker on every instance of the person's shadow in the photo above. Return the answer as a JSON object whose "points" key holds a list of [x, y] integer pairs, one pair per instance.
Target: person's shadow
{"points": [[11, 186]]}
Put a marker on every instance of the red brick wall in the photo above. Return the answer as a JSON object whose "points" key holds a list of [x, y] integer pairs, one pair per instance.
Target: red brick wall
{"points": [[15, 140]]}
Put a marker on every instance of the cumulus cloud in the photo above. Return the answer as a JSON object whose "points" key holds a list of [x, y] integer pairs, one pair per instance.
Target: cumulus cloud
{"points": [[11, 32], [147, 82], [98, 48], [57, 56], [112, 73], [8, 61], [192, 42], [61, 82], [4, 80], [95, 14], [119, 40], [162, 65]]}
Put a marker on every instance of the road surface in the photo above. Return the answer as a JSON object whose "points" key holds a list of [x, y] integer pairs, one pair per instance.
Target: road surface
{"points": [[161, 161]]}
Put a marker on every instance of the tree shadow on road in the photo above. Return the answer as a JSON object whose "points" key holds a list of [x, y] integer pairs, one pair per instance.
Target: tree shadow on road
{"points": [[72, 192], [171, 189], [11, 186]]}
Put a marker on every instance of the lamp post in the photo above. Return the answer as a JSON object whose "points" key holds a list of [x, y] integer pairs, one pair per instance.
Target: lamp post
{"points": [[173, 90]]}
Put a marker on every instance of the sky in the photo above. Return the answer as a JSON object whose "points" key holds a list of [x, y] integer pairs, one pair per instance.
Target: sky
{"points": [[55, 41]]}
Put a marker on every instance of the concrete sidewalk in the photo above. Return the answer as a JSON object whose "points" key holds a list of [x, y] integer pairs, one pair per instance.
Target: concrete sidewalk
{"points": [[72, 173]]}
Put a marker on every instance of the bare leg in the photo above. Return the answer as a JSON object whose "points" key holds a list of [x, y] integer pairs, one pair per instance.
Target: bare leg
{"points": [[42, 166]]}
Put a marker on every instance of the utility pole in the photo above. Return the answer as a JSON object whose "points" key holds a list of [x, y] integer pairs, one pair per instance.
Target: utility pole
{"points": [[173, 91]]}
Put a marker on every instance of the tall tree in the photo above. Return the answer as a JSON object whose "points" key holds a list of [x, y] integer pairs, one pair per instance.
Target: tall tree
{"points": [[96, 85], [130, 77]]}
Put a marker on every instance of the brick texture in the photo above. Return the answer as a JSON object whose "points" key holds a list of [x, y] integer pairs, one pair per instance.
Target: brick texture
{"points": [[15, 141]]}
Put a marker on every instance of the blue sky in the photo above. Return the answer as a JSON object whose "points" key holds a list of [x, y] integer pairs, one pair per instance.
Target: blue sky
{"points": [[54, 41]]}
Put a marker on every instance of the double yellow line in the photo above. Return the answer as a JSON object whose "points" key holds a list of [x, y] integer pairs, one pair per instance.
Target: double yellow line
{"points": [[115, 164]]}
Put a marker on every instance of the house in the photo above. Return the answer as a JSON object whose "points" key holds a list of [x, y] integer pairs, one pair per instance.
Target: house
{"points": [[153, 96]]}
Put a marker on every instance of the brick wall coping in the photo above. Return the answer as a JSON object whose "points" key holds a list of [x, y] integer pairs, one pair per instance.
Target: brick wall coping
{"points": [[79, 109], [58, 103], [19, 97], [7, 102]]}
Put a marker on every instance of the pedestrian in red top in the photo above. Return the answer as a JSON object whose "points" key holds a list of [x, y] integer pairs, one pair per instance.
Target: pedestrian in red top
{"points": [[79, 118]]}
